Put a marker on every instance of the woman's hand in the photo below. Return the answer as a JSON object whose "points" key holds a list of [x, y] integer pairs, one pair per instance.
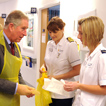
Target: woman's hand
{"points": [[71, 86], [42, 69], [51, 76]]}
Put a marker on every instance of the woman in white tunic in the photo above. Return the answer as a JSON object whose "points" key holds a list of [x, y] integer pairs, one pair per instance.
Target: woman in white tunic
{"points": [[91, 88], [62, 59]]}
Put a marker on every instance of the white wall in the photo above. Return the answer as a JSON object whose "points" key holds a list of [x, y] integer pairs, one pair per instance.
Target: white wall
{"points": [[101, 12], [8, 6], [47, 2], [69, 11], [30, 74]]}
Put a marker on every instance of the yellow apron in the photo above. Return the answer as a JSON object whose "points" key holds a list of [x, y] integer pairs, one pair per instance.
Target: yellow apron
{"points": [[10, 72]]}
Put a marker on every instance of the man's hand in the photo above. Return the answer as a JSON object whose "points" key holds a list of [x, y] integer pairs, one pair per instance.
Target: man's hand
{"points": [[25, 90]]}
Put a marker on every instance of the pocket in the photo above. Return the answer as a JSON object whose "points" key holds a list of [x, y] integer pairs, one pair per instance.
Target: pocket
{"points": [[87, 102]]}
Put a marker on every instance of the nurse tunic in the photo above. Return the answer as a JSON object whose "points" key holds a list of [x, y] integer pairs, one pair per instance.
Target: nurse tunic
{"points": [[60, 59], [93, 72]]}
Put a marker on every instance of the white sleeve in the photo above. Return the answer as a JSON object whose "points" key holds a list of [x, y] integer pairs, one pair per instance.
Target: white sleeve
{"points": [[73, 54], [102, 69]]}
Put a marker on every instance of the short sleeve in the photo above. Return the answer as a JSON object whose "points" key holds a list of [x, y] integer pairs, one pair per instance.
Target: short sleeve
{"points": [[102, 69], [73, 54]]}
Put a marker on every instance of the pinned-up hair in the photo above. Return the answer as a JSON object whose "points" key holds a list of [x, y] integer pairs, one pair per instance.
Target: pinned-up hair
{"points": [[55, 24]]}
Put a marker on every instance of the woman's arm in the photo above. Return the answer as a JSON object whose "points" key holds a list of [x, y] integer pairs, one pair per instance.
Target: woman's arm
{"points": [[94, 89], [70, 74]]}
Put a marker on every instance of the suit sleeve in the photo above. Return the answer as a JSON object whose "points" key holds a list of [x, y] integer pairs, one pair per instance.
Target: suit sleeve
{"points": [[21, 80], [7, 86]]}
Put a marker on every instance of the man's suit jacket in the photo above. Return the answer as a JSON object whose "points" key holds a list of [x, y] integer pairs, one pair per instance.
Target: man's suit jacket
{"points": [[5, 85]]}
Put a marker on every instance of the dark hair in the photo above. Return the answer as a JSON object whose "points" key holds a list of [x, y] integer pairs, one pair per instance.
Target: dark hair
{"points": [[55, 24]]}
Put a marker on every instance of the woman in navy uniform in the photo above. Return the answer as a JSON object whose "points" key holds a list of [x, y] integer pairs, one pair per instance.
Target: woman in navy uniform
{"points": [[62, 59]]}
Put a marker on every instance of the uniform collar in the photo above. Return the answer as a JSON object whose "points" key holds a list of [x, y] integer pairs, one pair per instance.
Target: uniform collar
{"points": [[98, 48], [61, 42]]}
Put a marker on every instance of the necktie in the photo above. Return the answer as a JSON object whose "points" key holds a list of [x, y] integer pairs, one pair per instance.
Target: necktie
{"points": [[12, 48]]}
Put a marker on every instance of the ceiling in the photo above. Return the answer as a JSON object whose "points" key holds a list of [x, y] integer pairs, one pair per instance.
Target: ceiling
{"points": [[1, 1]]}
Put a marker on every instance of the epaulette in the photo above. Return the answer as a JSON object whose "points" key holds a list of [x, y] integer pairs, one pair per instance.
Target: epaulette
{"points": [[103, 51], [70, 39]]}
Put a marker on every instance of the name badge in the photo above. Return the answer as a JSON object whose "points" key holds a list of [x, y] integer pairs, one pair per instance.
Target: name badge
{"points": [[51, 49]]}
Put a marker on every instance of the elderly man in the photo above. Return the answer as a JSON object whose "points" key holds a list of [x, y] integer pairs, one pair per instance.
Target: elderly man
{"points": [[11, 82]]}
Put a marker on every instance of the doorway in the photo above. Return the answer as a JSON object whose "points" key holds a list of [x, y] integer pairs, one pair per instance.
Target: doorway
{"points": [[46, 15], [1, 23]]}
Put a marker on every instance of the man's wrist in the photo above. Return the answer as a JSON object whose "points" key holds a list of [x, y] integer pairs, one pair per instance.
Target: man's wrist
{"points": [[16, 88]]}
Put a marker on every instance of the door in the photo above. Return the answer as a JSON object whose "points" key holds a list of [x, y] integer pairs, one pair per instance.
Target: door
{"points": [[44, 34], [1, 23], [46, 15]]}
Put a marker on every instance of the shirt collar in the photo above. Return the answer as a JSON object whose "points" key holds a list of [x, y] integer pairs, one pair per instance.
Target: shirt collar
{"points": [[96, 50], [8, 41], [61, 42]]}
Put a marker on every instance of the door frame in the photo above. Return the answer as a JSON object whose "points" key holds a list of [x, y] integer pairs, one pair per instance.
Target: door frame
{"points": [[39, 27]]}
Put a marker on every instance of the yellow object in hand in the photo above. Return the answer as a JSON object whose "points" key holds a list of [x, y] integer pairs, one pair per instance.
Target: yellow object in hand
{"points": [[44, 99], [43, 69], [44, 74], [35, 92]]}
